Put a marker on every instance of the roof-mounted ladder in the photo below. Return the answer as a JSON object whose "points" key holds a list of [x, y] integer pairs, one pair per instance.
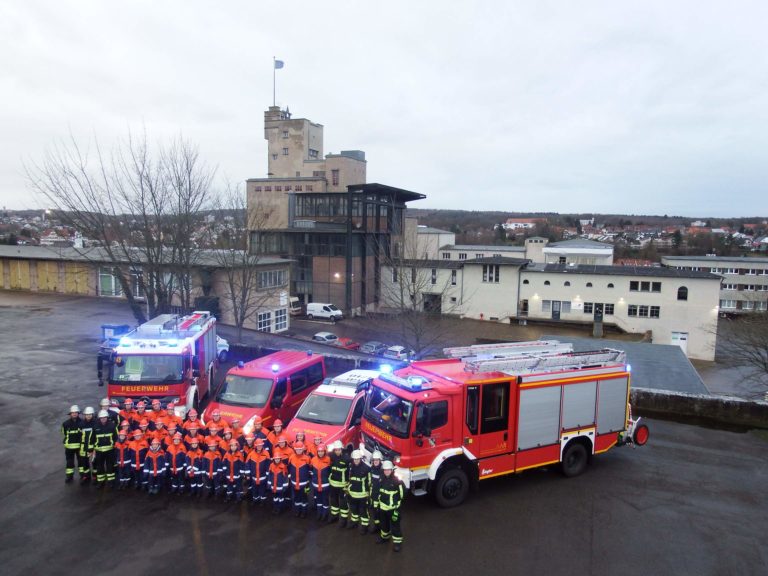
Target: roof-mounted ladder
{"points": [[505, 349], [546, 362]]}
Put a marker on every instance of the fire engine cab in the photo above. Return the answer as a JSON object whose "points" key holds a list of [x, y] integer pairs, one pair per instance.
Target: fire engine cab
{"points": [[171, 358], [491, 410]]}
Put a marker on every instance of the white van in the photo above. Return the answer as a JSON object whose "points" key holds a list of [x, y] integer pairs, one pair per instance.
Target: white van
{"points": [[295, 306], [323, 310]]}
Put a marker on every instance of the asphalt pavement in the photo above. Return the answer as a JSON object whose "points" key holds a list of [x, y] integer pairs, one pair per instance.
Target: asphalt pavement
{"points": [[692, 501]]}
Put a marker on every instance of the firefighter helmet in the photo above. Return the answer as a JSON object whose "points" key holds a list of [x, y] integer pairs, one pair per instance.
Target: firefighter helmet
{"points": [[376, 455], [387, 465], [277, 454], [74, 408], [170, 406], [250, 436], [298, 445], [227, 430], [282, 439], [103, 414], [125, 424], [322, 448], [144, 422], [216, 412], [104, 402], [278, 422], [257, 419], [128, 402], [122, 432], [234, 442], [356, 455], [177, 436], [155, 440], [338, 445], [140, 404], [137, 432], [259, 442], [193, 412], [88, 410], [160, 421], [194, 440]]}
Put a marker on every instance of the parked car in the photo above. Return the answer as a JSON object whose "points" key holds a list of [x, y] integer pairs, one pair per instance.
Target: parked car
{"points": [[321, 310], [347, 343], [399, 353], [373, 347], [222, 348], [325, 337]]}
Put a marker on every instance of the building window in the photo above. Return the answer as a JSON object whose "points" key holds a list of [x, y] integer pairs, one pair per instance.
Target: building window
{"points": [[462, 256], [453, 277], [434, 276], [257, 188], [561, 260], [589, 284], [645, 286], [546, 305], [285, 151], [285, 133], [566, 283], [109, 285], [453, 298], [274, 156], [267, 188], [446, 255], [491, 273], [730, 286], [281, 319], [526, 282], [565, 305], [264, 322], [749, 287], [497, 255], [588, 308], [546, 282], [728, 304], [655, 311], [761, 306], [394, 275], [748, 305], [479, 255], [610, 285], [335, 177], [731, 271], [278, 188], [634, 286], [762, 288], [714, 270], [632, 310], [682, 293], [309, 187], [608, 309], [288, 188], [642, 311], [271, 279], [298, 188], [655, 286], [313, 153], [413, 275]]}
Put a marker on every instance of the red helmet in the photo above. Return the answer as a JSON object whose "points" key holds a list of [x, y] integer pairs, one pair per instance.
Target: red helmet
{"points": [[160, 421], [213, 427], [125, 424], [322, 447], [171, 406], [282, 438], [156, 402], [194, 425], [155, 440], [128, 402], [212, 442], [172, 425], [298, 445], [227, 430], [193, 412], [278, 422], [141, 404], [318, 439], [259, 442], [251, 437], [177, 436], [216, 412], [144, 422], [257, 419], [122, 432], [194, 440], [277, 454], [235, 419], [233, 442], [137, 432]]}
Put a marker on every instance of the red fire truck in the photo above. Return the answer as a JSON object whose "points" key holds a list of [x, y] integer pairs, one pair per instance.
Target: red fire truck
{"points": [[498, 409], [172, 358]]}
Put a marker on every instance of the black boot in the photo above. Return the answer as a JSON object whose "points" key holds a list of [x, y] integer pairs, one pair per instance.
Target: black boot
{"points": [[68, 479], [396, 547], [343, 523]]}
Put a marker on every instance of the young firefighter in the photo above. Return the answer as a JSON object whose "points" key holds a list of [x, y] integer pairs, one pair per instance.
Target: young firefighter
{"points": [[104, 436], [216, 421], [141, 414], [211, 462], [277, 481], [339, 480], [298, 471], [123, 459], [72, 436], [258, 432], [160, 432], [105, 404], [193, 434], [391, 493], [170, 416], [176, 454], [192, 421], [140, 447], [172, 429], [282, 445], [127, 413], [194, 463], [320, 471], [277, 431], [157, 412], [257, 467], [231, 471], [248, 445], [359, 490], [373, 509], [155, 467], [225, 439], [86, 446], [237, 430]]}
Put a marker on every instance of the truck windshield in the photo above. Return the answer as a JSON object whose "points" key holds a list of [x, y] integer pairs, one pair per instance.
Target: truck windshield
{"points": [[151, 368], [389, 411], [244, 391], [325, 409]]}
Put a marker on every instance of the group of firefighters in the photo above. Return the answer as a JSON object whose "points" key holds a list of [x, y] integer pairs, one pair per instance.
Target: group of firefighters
{"points": [[155, 449]]}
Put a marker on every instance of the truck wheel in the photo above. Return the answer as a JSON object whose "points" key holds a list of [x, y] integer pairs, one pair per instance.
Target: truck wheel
{"points": [[310, 316], [574, 459], [451, 488], [641, 435]]}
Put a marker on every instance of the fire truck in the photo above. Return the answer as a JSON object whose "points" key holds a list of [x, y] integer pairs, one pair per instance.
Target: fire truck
{"points": [[171, 358], [491, 410]]}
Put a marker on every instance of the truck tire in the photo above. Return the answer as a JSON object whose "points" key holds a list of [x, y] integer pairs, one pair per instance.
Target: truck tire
{"points": [[451, 488], [641, 435], [310, 316], [575, 459]]}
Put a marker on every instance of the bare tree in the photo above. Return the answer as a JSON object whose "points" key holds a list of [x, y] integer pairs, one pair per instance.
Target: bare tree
{"points": [[141, 207], [743, 342], [248, 287]]}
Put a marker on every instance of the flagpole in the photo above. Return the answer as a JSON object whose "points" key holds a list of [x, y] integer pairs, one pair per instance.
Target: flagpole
{"points": [[274, 67]]}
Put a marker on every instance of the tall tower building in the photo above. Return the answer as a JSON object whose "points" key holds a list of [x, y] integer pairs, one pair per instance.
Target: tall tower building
{"points": [[318, 210]]}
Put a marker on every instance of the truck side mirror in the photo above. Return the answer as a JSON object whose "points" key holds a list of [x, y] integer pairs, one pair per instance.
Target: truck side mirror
{"points": [[276, 402]]}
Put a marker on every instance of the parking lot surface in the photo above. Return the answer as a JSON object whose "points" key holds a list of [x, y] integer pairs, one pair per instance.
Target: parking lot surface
{"points": [[692, 501]]}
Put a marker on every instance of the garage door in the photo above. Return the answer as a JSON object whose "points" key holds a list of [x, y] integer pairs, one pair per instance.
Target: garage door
{"points": [[19, 270], [47, 276], [76, 279]]}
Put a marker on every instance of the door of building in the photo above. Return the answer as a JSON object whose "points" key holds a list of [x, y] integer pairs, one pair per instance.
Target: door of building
{"points": [[681, 339], [555, 309]]}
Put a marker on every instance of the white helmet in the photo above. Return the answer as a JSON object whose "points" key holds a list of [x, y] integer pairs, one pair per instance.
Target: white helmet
{"points": [[103, 414], [88, 410], [376, 455], [74, 408], [387, 465], [356, 455], [104, 402], [337, 445]]}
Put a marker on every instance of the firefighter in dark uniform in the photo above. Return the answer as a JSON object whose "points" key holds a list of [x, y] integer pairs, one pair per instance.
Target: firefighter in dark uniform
{"points": [[359, 490], [86, 446], [105, 404], [339, 480], [104, 437], [72, 433], [373, 508], [391, 494]]}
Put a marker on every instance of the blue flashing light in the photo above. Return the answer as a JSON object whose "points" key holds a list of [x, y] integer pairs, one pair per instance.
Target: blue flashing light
{"points": [[240, 364], [125, 342], [385, 369], [171, 343], [629, 367], [411, 383], [275, 368]]}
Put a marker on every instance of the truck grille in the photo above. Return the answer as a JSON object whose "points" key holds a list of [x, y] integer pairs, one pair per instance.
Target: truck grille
{"points": [[372, 444]]}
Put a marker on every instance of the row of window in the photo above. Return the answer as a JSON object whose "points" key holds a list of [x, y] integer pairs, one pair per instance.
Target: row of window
{"points": [[743, 305], [286, 188], [590, 307], [272, 279], [432, 277], [746, 287], [463, 255], [740, 271], [644, 286], [643, 311], [264, 321]]}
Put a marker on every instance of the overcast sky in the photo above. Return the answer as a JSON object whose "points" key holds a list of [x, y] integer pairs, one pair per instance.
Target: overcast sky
{"points": [[644, 107]]}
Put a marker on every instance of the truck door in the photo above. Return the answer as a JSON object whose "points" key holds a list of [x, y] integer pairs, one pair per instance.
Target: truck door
{"points": [[431, 433], [487, 419]]}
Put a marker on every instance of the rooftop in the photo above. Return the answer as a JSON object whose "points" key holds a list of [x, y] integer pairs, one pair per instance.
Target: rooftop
{"points": [[488, 247], [375, 188], [430, 230], [739, 259], [580, 243], [624, 271]]}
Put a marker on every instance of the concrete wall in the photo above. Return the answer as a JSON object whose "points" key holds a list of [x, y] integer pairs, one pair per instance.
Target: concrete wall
{"points": [[268, 208], [485, 300], [428, 244], [351, 171], [597, 256]]}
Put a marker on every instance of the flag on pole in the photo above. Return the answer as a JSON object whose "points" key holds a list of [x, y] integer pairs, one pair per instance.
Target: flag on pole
{"points": [[279, 64]]}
